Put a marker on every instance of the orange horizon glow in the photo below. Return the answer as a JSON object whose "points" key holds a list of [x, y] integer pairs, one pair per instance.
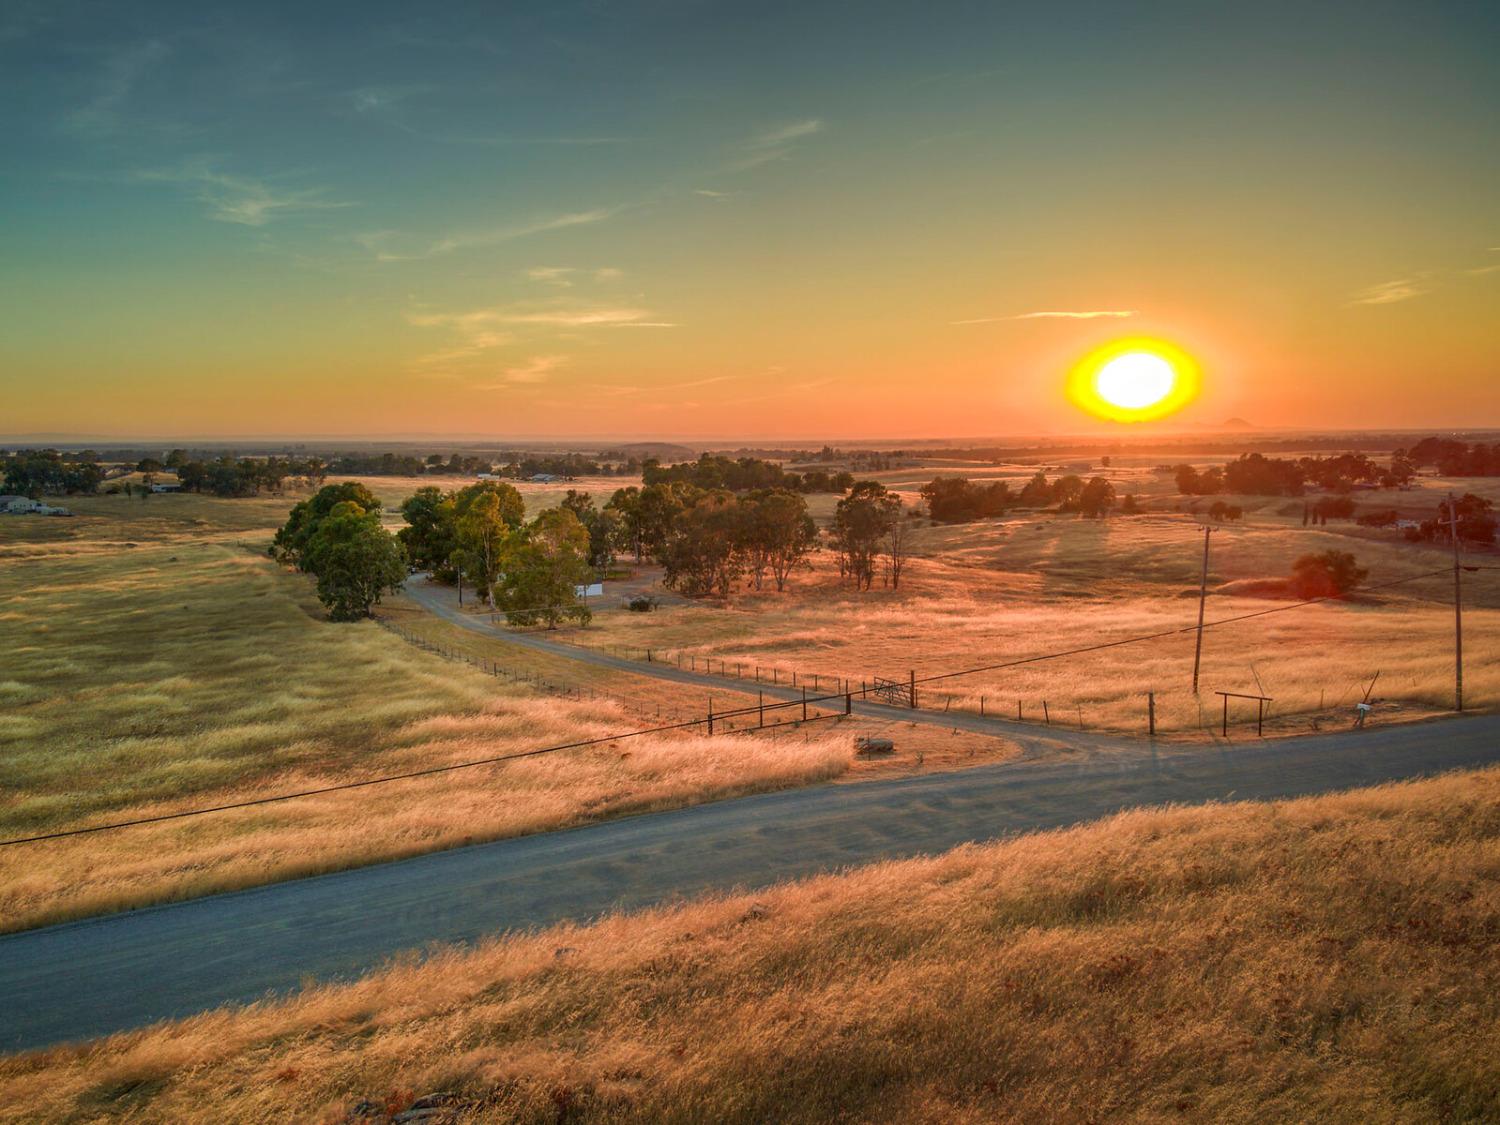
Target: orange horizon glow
{"points": [[693, 244]]}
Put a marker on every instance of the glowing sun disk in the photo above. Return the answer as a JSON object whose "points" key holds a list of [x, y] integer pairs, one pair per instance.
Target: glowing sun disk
{"points": [[1134, 380]]}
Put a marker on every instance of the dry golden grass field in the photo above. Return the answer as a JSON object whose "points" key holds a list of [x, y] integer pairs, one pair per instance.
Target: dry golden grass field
{"points": [[1034, 583], [160, 661], [1327, 959]]}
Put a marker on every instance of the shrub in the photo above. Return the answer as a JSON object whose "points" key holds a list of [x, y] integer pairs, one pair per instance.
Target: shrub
{"points": [[1328, 574]]}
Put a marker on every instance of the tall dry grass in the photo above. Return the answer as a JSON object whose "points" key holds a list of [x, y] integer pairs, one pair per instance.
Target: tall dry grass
{"points": [[189, 670], [1003, 591], [1328, 959]]}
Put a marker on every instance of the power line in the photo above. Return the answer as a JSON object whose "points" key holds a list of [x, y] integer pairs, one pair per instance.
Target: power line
{"points": [[689, 724], [355, 784], [1175, 632]]}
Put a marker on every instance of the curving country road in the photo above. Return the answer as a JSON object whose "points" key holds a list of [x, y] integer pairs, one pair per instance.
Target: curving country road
{"points": [[441, 601], [107, 974]]}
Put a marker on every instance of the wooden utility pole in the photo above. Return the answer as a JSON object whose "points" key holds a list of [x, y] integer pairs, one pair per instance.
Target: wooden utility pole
{"points": [[1202, 598], [1458, 610]]}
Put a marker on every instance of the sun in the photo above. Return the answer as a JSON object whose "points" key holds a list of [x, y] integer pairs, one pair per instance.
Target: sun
{"points": [[1134, 380]]}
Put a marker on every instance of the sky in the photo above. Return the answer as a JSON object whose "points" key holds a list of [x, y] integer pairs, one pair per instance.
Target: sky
{"points": [[768, 220]]}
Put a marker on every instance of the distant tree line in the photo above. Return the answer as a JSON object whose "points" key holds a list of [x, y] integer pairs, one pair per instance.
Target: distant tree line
{"points": [[960, 500], [711, 472], [1455, 458], [47, 472], [1255, 474], [228, 476]]}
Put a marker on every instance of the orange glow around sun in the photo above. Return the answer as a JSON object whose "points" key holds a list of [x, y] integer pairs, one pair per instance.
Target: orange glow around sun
{"points": [[1134, 380]]}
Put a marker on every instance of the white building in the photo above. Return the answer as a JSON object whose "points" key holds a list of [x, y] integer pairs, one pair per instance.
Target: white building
{"points": [[26, 506]]}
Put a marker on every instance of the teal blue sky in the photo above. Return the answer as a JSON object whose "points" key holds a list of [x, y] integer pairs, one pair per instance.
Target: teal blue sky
{"points": [[760, 220]]}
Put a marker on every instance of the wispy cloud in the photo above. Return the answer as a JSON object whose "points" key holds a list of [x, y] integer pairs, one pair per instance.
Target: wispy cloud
{"points": [[564, 277], [563, 317], [395, 246], [495, 235], [123, 70], [775, 143], [1055, 314], [477, 332], [1480, 271], [1390, 292], [561, 276], [377, 99], [587, 318], [239, 199], [537, 369]]}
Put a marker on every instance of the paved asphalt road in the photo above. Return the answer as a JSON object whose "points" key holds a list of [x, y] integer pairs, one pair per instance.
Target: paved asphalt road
{"points": [[111, 973]]}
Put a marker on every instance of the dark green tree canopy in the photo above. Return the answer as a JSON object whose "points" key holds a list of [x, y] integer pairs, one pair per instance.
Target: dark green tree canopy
{"points": [[292, 540], [354, 558]]}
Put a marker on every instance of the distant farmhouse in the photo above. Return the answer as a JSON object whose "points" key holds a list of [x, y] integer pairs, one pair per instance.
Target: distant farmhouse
{"points": [[26, 506], [167, 486], [544, 478]]}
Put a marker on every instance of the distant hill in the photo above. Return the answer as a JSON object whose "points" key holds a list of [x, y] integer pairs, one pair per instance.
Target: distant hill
{"points": [[1235, 423]]}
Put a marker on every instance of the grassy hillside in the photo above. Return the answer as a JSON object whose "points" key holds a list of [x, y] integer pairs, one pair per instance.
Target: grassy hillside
{"points": [[1328, 959], [159, 661]]}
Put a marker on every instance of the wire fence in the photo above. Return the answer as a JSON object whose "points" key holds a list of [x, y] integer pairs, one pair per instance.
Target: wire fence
{"points": [[735, 720], [1144, 712]]}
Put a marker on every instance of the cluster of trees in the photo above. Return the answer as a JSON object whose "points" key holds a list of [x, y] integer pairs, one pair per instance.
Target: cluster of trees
{"points": [[480, 535], [866, 460], [566, 465], [1456, 458], [718, 538], [960, 500], [711, 472], [1255, 474], [399, 464], [43, 472], [1327, 508], [707, 540], [337, 537], [1219, 511], [1475, 517], [514, 464], [869, 526], [1252, 474], [226, 476]]}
